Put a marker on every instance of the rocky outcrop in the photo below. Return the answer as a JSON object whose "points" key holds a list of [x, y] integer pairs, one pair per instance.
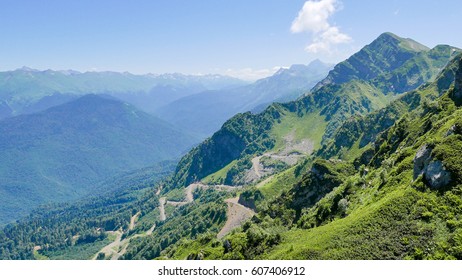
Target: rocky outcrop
{"points": [[434, 173], [450, 131], [421, 160]]}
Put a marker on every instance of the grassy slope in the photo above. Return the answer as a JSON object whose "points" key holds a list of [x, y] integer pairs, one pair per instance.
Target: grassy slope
{"points": [[398, 218], [310, 126], [373, 214], [357, 86], [220, 175], [344, 238], [392, 216], [394, 219], [385, 214]]}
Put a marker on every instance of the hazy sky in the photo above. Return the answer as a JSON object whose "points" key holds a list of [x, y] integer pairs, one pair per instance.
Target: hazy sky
{"points": [[243, 38]]}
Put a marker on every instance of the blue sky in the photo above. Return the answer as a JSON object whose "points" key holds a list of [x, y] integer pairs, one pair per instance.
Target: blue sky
{"points": [[244, 38]]}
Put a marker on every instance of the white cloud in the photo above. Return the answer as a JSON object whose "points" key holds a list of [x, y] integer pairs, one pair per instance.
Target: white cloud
{"points": [[249, 74], [314, 18]]}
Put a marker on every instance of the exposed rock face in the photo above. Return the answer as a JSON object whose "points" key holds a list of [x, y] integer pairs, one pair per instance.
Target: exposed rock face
{"points": [[451, 131], [436, 175], [421, 160]]}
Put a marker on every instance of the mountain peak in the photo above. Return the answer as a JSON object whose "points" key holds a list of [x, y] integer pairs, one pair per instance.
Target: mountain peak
{"points": [[314, 66], [384, 54], [317, 63], [27, 69], [406, 43], [389, 35], [296, 67]]}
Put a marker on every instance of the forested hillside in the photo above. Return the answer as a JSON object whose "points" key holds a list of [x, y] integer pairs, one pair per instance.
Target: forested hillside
{"points": [[61, 153]]}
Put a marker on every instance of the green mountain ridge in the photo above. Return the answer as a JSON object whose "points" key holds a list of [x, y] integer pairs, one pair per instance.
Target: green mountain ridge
{"points": [[248, 135], [385, 54], [60, 153], [313, 192], [402, 203]]}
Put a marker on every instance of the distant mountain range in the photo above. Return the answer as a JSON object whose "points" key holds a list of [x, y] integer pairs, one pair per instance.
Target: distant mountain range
{"points": [[28, 90], [198, 104], [204, 113]]}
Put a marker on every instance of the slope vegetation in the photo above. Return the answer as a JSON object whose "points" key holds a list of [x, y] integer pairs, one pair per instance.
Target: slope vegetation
{"points": [[340, 96], [400, 199]]}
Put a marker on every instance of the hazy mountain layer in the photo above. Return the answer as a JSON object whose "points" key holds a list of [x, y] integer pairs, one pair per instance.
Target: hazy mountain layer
{"points": [[59, 154], [28, 90], [204, 113]]}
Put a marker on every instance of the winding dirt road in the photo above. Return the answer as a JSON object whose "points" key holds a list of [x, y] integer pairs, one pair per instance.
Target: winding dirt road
{"points": [[236, 215], [162, 201], [256, 166], [112, 248], [133, 220], [118, 247]]}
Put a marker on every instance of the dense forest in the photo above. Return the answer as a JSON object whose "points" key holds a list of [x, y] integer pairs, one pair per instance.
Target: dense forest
{"points": [[69, 226]]}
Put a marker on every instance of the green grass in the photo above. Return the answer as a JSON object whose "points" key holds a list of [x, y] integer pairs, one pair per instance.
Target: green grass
{"points": [[176, 195], [146, 221], [359, 89], [347, 238], [399, 218], [311, 126], [219, 176], [354, 151], [280, 182]]}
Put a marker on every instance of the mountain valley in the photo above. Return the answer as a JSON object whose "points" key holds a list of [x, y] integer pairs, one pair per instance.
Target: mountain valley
{"points": [[362, 164]]}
